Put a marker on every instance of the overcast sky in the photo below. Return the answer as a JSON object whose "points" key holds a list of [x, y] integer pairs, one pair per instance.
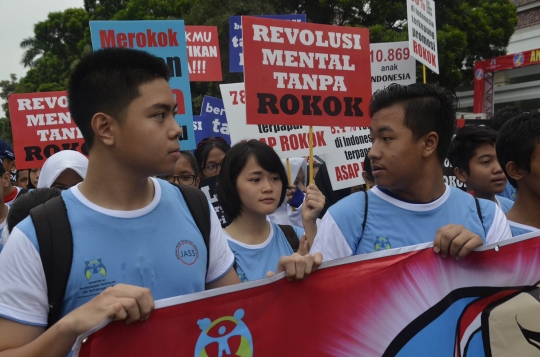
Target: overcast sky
{"points": [[17, 19]]}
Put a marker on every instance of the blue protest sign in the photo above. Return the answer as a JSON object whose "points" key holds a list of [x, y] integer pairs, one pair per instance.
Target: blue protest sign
{"points": [[236, 55], [216, 120], [200, 127], [165, 39]]}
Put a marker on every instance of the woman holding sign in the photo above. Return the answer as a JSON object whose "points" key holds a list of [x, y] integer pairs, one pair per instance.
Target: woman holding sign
{"points": [[251, 185]]}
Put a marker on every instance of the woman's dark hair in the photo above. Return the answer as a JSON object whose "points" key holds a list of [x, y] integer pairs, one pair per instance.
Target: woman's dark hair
{"points": [[191, 159], [232, 166], [205, 146], [23, 204]]}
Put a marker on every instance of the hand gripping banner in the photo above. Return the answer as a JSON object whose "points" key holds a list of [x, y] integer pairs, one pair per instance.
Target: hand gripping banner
{"points": [[401, 302]]}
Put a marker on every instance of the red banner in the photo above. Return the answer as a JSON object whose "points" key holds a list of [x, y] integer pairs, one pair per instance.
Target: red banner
{"points": [[503, 63], [306, 74], [42, 126], [203, 54], [403, 302]]}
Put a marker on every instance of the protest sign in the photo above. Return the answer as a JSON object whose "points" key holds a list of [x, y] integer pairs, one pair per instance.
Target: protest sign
{"points": [[200, 128], [236, 55], [391, 62], [42, 126], [306, 74], [346, 163], [215, 118], [286, 140], [208, 187], [204, 61], [165, 39], [423, 32], [401, 302]]}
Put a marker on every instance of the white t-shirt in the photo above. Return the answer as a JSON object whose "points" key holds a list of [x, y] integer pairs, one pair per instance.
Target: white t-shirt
{"points": [[158, 247]]}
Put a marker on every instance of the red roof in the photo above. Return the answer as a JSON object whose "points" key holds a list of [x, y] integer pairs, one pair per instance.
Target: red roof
{"points": [[528, 18], [522, 2]]}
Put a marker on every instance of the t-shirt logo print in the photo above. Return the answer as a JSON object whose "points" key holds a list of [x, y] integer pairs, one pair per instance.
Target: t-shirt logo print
{"points": [[187, 252], [382, 243], [226, 336], [94, 267]]}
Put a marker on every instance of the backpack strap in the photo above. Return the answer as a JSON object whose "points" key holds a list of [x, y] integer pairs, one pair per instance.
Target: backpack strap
{"points": [[55, 241], [479, 211], [200, 210], [291, 236], [365, 212]]}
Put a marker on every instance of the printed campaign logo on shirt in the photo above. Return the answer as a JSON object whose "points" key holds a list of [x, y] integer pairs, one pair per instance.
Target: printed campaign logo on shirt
{"points": [[228, 335], [95, 274], [187, 252], [382, 243]]}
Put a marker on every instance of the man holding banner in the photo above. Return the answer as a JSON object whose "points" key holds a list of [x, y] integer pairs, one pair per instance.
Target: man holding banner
{"points": [[134, 238], [411, 129]]}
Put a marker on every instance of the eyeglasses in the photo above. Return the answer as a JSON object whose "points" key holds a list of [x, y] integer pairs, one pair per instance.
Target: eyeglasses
{"points": [[211, 168], [185, 180]]}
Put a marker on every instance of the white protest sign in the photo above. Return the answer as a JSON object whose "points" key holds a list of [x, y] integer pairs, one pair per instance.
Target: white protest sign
{"points": [[391, 62], [287, 140], [423, 32], [345, 164]]}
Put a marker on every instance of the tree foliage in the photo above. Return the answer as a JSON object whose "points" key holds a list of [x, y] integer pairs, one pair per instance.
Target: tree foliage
{"points": [[468, 30]]}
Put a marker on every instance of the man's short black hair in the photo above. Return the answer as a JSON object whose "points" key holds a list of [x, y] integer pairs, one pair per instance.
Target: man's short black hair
{"points": [[232, 166], [107, 81], [465, 143], [516, 142], [503, 115], [24, 203], [428, 108]]}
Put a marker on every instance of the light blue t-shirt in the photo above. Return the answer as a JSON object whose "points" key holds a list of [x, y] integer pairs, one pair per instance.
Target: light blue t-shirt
{"points": [[254, 261], [158, 247], [393, 223], [504, 203], [509, 192], [518, 229]]}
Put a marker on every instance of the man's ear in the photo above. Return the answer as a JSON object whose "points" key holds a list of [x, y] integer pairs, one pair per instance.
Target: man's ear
{"points": [[430, 143], [6, 179], [104, 127], [460, 174], [514, 171]]}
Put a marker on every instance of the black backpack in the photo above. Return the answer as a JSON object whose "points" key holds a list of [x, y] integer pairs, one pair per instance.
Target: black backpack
{"points": [[56, 242]]}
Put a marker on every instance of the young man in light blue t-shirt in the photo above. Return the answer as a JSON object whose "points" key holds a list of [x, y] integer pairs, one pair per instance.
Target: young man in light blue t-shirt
{"points": [[518, 150], [134, 238], [411, 130], [472, 154]]}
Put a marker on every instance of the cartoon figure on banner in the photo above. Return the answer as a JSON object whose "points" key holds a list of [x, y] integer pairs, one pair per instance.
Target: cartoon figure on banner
{"points": [[519, 59], [484, 321], [228, 335]]}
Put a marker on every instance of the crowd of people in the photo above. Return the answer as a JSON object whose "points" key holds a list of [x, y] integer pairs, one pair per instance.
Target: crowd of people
{"points": [[140, 230]]}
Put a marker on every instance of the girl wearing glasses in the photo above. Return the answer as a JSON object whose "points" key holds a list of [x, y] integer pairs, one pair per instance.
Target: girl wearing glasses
{"points": [[185, 172], [209, 154], [251, 185]]}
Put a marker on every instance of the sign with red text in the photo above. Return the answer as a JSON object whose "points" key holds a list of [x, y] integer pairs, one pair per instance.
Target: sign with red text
{"points": [[164, 39], [286, 140], [346, 163], [391, 62], [423, 32], [405, 302], [306, 74], [204, 61], [42, 126]]}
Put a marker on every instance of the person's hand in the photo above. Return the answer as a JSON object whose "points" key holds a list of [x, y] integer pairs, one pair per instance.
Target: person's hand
{"points": [[291, 189], [456, 241], [120, 302], [298, 267], [313, 204], [304, 247]]}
